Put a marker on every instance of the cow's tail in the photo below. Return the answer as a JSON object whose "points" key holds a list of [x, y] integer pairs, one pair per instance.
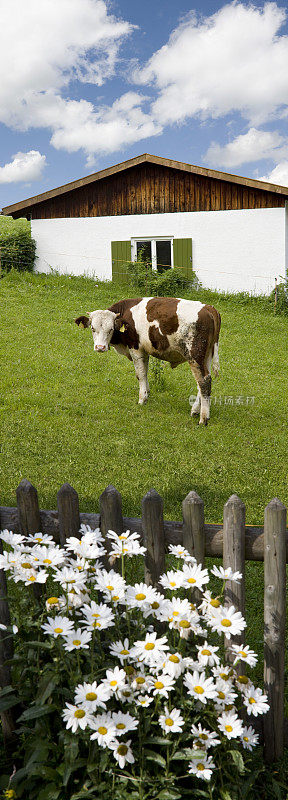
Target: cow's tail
{"points": [[215, 359]]}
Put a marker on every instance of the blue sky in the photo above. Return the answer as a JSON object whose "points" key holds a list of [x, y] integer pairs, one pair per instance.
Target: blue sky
{"points": [[89, 83]]}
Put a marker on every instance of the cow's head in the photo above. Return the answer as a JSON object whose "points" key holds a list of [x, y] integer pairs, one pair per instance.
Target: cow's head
{"points": [[102, 324]]}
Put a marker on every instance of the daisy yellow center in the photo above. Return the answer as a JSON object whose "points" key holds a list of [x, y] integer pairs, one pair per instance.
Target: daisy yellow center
{"points": [[115, 597], [203, 736], [243, 654], [149, 646], [91, 696], [245, 738], [191, 580], [140, 596], [200, 767], [38, 539], [102, 730], [221, 695], [184, 623], [243, 679], [120, 726], [127, 694], [174, 659], [58, 630], [206, 652], [79, 714], [226, 622], [26, 565], [32, 578], [72, 580], [140, 680], [252, 700], [175, 613], [113, 683], [228, 728], [172, 583], [52, 601], [199, 689], [224, 676], [159, 685], [110, 587], [192, 606], [47, 561], [95, 615], [76, 642], [155, 605], [215, 603], [124, 652], [96, 624], [169, 722], [122, 749]]}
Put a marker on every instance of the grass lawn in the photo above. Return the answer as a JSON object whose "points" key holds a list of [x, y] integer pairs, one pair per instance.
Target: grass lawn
{"points": [[71, 415]]}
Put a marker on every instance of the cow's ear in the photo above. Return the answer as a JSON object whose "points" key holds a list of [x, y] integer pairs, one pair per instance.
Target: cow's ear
{"points": [[83, 322], [120, 324]]}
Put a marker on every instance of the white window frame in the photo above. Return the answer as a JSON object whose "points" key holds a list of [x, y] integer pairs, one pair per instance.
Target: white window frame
{"points": [[153, 240]]}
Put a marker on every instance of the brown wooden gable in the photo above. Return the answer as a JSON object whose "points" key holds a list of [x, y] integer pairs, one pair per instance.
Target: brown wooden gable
{"points": [[150, 188]]}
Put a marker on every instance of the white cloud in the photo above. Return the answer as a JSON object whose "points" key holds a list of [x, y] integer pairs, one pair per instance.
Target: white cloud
{"points": [[251, 146], [23, 167], [234, 60], [279, 174]]}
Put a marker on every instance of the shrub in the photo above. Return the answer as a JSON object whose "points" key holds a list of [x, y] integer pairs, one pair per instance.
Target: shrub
{"points": [[121, 695], [282, 298], [17, 250], [170, 282]]}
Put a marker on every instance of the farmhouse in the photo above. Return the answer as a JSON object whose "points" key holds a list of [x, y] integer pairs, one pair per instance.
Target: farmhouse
{"points": [[233, 230]]}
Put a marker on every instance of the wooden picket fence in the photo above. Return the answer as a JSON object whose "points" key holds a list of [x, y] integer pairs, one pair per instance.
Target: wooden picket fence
{"points": [[233, 541]]}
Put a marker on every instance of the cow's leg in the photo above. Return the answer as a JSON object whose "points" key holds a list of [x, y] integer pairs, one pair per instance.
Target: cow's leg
{"points": [[141, 362], [203, 378], [197, 404]]}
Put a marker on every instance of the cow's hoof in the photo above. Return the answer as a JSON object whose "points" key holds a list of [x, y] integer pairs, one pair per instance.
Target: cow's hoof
{"points": [[195, 412], [203, 421], [142, 401]]}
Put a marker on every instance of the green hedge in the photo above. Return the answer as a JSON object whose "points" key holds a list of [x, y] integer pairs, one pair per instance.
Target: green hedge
{"points": [[17, 250], [169, 282]]}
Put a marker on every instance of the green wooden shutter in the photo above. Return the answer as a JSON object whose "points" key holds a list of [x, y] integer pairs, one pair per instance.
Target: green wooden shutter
{"points": [[121, 255], [182, 251]]}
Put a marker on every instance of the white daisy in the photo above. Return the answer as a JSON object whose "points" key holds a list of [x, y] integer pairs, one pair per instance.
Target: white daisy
{"points": [[98, 616], [205, 737], [122, 753], [161, 684], [150, 650], [202, 768], [77, 640], [59, 626], [243, 653], [120, 650], [209, 604], [70, 578], [111, 584], [92, 695], [226, 574], [14, 539], [139, 595], [255, 702], [49, 556], [40, 538], [230, 725], [124, 722], [28, 576], [115, 679], [173, 665], [173, 579], [194, 576], [227, 620], [144, 700], [207, 654], [77, 716], [180, 552], [171, 721], [104, 729], [225, 694], [157, 608], [54, 603], [200, 687], [249, 738]]}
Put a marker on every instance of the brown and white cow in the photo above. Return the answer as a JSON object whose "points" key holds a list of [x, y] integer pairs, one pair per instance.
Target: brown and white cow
{"points": [[169, 328]]}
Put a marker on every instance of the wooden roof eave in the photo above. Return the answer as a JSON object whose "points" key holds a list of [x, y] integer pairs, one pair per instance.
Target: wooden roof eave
{"points": [[132, 162]]}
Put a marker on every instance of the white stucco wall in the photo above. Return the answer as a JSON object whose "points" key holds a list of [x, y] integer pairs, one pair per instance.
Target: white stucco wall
{"points": [[232, 250]]}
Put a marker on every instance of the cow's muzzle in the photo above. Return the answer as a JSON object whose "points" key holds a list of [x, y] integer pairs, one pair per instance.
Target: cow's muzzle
{"points": [[100, 348]]}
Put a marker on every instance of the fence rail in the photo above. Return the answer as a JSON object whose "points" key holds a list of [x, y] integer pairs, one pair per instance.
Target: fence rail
{"points": [[233, 541]]}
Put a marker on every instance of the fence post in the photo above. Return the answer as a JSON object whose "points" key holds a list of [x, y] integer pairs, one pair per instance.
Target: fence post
{"points": [[234, 557], [29, 517], [193, 526], [274, 626], [68, 512], [6, 653], [153, 534], [111, 519]]}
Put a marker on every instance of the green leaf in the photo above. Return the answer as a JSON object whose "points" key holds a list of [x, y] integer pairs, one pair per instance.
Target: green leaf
{"points": [[152, 755], [35, 712], [186, 753], [169, 794], [6, 690], [42, 645], [158, 740], [238, 760], [224, 794], [8, 702], [46, 688]]}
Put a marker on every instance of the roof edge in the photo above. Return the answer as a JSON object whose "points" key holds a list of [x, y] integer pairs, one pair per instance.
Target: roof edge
{"points": [[144, 157]]}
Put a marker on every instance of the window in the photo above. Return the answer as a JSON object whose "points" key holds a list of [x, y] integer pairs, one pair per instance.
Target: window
{"points": [[159, 252]]}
